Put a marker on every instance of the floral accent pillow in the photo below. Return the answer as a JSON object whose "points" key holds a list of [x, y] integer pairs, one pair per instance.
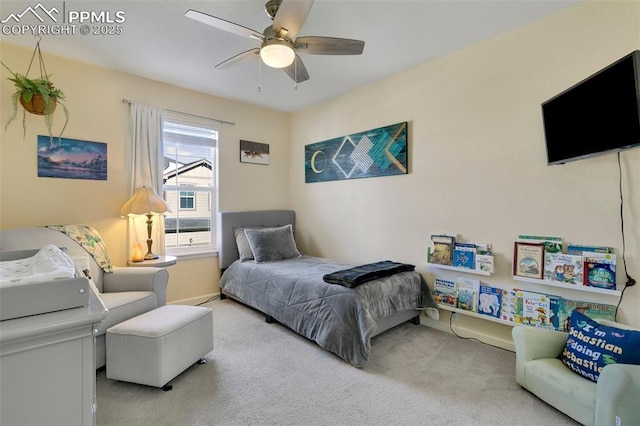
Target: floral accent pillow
{"points": [[90, 240]]}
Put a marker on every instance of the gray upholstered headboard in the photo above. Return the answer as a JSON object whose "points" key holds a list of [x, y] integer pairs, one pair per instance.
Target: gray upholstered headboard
{"points": [[227, 221]]}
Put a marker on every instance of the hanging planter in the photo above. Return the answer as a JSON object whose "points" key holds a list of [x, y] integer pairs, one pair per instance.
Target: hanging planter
{"points": [[37, 96], [37, 105]]}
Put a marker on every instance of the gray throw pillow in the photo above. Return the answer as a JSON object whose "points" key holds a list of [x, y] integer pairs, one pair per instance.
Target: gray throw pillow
{"points": [[244, 249], [272, 243]]}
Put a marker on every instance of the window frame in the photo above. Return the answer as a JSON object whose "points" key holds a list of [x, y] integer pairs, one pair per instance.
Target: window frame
{"points": [[210, 189]]}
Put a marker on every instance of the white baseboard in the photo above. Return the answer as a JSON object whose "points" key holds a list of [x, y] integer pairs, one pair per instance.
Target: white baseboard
{"points": [[467, 332], [193, 301]]}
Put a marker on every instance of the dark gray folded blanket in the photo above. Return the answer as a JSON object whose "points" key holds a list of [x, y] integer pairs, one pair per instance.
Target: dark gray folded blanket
{"points": [[357, 275]]}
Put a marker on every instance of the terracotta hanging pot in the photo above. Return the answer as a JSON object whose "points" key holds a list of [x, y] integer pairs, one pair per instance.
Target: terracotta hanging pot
{"points": [[37, 105]]}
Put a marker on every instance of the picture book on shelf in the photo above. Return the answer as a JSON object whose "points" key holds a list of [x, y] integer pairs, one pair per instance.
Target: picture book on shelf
{"points": [[508, 305], [579, 250], [563, 268], [444, 291], [596, 257], [484, 263], [528, 260], [551, 244], [467, 289], [590, 309], [464, 255], [600, 270], [600, 275], [533, 309], [441, 249], [555, 305], [489, 301], [482, 248]]}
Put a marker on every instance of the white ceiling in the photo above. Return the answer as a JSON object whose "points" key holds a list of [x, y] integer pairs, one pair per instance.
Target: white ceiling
{"points": [[159, 43]]}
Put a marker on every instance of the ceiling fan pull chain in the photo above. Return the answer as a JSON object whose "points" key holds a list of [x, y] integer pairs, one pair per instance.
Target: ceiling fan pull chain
{"points": [[295, 73], [259, 76]]}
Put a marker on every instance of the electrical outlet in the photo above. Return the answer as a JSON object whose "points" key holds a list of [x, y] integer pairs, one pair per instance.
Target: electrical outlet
{"points": [[618, 422]]}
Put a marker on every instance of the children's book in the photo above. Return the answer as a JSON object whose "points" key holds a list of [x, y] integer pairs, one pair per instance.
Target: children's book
{"points": [[590, 309], [563, 268], [441, 249], [600, 275], [578, 249], [599, 270], [508, 305], [484, 263], [555, 305], [595, 257], [551, 244], [444, 291], [489, 301], [483, 248], [464, 255], [533, 309], [467, 289]]}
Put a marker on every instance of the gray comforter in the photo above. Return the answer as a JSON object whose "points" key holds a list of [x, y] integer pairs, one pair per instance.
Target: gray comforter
{"points": [[340, 319]]}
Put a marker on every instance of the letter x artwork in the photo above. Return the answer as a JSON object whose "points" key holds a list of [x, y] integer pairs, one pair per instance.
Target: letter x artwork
{"points": [[377, 152]]}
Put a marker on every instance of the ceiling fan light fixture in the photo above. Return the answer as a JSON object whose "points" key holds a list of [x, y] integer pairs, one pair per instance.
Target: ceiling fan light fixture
{"points": [[277, 53]]}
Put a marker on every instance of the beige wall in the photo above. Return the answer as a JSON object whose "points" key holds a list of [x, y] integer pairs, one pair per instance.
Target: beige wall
{"points": [[97, 114], [477, 158], [477, 164]]}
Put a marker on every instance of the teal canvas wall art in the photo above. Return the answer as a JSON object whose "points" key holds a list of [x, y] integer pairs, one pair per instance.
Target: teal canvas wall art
{"points": [[372, 153]]}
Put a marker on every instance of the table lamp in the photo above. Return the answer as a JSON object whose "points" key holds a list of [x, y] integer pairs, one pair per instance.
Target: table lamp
{"points": [[145, 201]]}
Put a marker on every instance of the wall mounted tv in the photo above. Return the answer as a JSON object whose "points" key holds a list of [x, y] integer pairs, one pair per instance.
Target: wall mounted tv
{"points": [[599, 115]]}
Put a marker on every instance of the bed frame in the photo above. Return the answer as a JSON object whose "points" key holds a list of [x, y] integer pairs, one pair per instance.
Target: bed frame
{"points": [[228, 251]]}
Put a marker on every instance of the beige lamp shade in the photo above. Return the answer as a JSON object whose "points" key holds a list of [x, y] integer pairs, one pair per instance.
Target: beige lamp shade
{"points": [[144, 201]]}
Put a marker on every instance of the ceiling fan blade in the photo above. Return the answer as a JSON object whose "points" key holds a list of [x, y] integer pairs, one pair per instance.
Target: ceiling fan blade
{"points": [[291, 16], [329, 46], [297, 71], [223, 24], [247, 54]]}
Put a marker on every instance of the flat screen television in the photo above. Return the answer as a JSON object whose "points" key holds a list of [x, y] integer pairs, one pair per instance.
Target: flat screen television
{"points": [[599, 115]]}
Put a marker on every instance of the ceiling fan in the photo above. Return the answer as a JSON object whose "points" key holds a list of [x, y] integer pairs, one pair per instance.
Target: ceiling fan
{"points": [[279, 45]]}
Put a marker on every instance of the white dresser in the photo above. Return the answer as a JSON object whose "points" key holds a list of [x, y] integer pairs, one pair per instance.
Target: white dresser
{"points": [[47, 367]]}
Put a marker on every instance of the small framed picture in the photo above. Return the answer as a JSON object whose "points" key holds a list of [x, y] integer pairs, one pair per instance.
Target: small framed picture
{"points": [[254, 152], [528, 260]]}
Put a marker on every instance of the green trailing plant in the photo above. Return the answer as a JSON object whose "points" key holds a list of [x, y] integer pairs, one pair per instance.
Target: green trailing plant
{"points": [[38, 96]]}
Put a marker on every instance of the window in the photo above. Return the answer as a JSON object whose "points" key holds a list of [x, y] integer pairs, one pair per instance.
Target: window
{"points": [[187, 199], [190, 188]]}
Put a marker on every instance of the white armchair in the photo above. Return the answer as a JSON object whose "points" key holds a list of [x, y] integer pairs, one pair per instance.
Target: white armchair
{"points": [[126, 292], [613, 400]]}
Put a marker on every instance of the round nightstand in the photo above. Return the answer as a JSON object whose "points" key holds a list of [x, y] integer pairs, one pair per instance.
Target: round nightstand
{"points": [[161, 262]]}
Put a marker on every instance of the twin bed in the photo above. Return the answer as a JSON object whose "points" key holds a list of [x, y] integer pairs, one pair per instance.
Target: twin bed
{"points": [[262, 268]]}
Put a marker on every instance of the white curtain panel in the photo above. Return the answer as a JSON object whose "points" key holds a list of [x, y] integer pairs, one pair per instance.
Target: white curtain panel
{"points": [[146, 166]]}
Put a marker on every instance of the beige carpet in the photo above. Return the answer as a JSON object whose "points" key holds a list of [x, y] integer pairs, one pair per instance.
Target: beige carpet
{"points": [[264, 374]]}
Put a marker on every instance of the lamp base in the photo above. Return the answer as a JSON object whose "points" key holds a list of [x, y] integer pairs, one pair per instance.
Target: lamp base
{"points": [[151, 256]]}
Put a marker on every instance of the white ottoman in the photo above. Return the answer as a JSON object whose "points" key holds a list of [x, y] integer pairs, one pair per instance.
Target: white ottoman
{"points": [[153, 348]]}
